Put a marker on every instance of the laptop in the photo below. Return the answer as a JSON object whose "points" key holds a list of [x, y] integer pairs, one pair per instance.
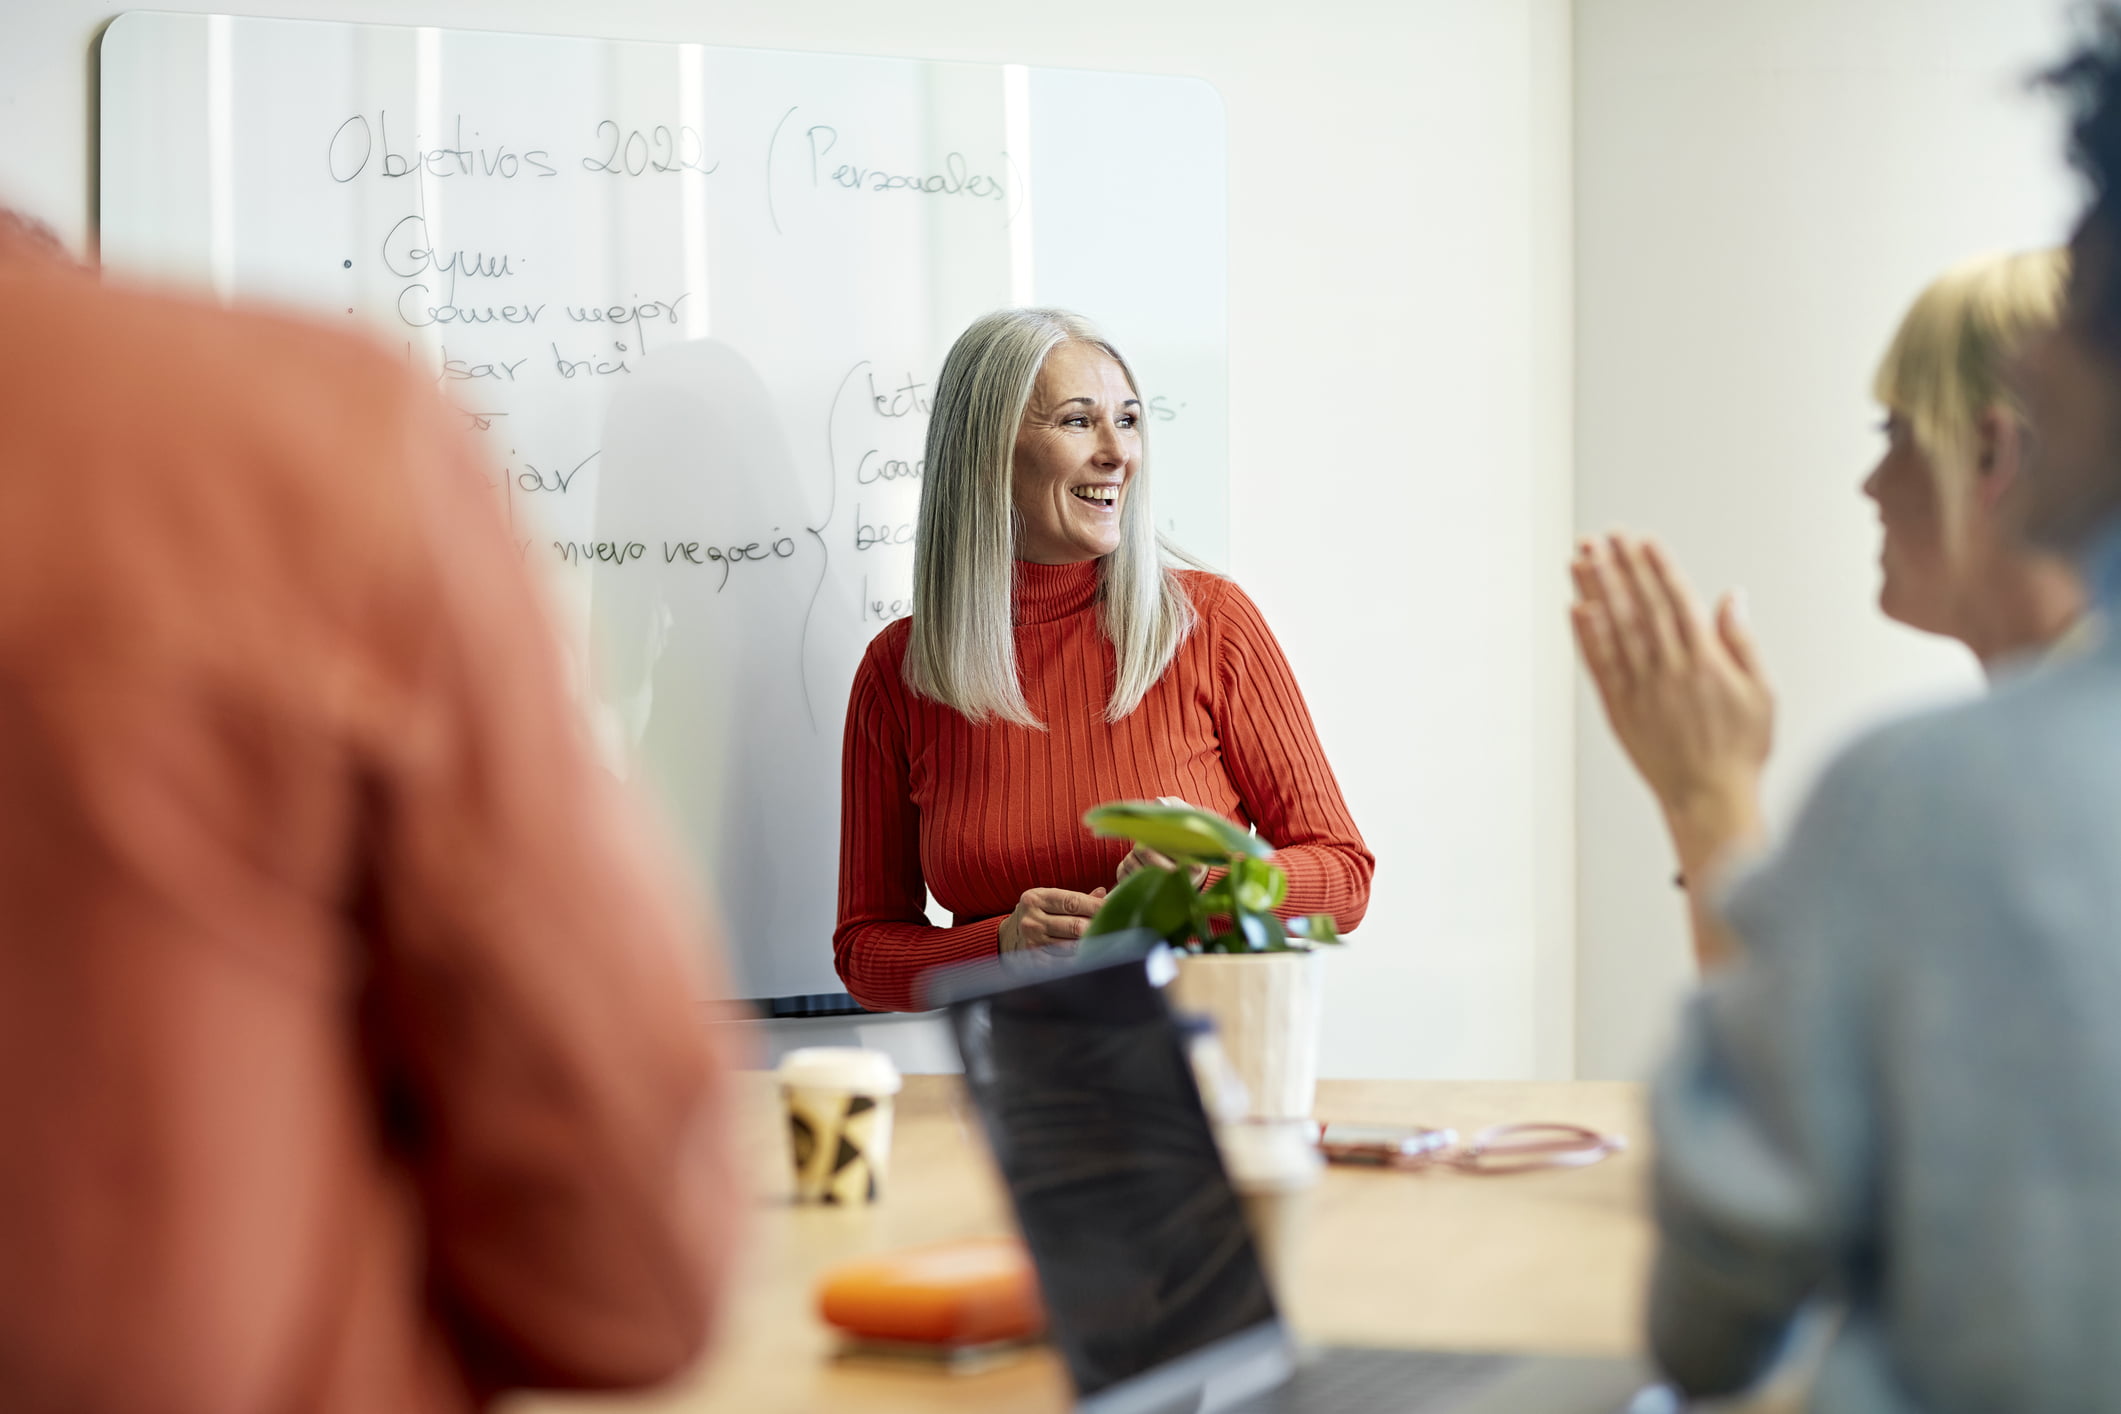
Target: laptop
{"points": [[1155, 1297]]}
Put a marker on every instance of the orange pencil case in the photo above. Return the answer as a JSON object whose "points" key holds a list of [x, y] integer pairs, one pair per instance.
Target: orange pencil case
{"points": [[949, 1295]]}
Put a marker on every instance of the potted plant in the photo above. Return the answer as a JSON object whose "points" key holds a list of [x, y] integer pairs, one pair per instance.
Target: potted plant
{"points": [[1256, 975]]}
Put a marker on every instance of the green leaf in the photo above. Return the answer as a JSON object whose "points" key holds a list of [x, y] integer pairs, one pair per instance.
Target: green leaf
{"points": [[1160, 900], [1202, 930], [1127, 905], [1257, 886], [1170, 908], [1217, 898], [1316, 929], [1178, 832]]}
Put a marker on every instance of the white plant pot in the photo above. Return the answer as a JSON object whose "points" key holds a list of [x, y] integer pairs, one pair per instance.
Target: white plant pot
{"points": [[1267, 1009]]}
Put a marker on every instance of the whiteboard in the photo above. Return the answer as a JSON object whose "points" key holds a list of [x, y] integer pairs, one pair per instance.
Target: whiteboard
{"points": [[692, 300]]}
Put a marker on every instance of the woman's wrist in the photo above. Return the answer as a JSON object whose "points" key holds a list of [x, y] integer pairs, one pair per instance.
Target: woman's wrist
{"points": [[1706, 826]]}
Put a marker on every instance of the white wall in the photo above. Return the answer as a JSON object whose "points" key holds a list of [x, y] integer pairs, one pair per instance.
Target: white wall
{"points": [[1399, 377], [1762, 186]]}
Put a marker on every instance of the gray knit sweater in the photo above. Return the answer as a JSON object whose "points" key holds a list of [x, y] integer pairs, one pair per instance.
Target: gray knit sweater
{"points": [[1907, 1097]]}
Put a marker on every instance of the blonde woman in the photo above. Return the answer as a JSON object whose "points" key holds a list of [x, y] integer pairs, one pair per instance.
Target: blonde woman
{"points": [[1684, 691], [1056, 659]]}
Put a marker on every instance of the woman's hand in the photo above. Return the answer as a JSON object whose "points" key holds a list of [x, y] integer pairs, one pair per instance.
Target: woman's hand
{"points": [[1685, 696], [1047, 918], [1142, 856]]}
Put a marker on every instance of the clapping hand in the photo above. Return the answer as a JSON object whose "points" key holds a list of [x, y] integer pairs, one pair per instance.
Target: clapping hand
{"points": [[1684, 694]]}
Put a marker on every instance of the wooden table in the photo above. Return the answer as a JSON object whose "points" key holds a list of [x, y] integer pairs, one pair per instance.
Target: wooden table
{"points": [[1550, 1261]]}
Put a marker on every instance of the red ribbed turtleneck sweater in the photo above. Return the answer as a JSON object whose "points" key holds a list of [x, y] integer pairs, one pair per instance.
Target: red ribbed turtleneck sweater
{"points": [[979, 814]]}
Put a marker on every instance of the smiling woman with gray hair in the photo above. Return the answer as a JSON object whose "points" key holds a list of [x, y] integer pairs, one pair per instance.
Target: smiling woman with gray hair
{"points": [[1059, 657]]}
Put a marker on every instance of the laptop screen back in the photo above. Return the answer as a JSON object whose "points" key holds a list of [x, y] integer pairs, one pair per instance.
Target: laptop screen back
{"points": [[1095, 1120]]}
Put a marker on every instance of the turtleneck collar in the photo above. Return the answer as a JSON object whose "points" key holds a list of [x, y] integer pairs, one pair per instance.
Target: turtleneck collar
{"points": [[1047, 593]]}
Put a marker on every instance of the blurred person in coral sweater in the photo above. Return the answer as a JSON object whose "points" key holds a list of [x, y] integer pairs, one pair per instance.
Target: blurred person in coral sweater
{"points": [[349, 1054], [1060, 656]]}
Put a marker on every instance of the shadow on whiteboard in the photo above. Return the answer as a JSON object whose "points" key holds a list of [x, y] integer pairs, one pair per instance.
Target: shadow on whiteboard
{"points": [[725, 651]]}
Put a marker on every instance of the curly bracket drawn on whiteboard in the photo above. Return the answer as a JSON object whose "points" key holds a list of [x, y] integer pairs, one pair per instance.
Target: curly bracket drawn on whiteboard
{"points": [[817, 532]]}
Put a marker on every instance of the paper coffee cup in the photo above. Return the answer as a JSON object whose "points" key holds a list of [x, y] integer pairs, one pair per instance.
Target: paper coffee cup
{"points": [[1273, 1165], [839, 1121]]}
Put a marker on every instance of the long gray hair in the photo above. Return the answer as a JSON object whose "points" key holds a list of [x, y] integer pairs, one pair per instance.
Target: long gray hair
{"points": [[963, 650]]}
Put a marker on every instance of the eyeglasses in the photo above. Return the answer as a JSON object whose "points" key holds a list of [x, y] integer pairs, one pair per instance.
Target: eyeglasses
{"points": [[1518, 1148], [1498, 1149]]}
